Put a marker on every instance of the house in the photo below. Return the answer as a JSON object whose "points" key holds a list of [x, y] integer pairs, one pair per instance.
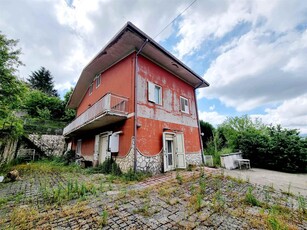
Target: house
{"points": [[136, 102]]}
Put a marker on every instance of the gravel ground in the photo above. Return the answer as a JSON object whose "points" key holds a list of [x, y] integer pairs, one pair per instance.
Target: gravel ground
{"points": [[199, 199]]}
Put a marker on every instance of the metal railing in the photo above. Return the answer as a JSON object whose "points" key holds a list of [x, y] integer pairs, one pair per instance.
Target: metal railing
{"points": [[108, 103]]}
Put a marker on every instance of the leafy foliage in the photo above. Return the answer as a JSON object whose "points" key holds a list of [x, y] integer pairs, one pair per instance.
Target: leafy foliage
{"points": [[207, 132], [270, 147], [11, 88], [69, 114], [39, 104], [109, 166], [275, 148], [42, 80]]}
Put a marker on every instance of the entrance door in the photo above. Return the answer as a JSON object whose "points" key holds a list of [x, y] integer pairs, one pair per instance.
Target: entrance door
{"points": [[173, 151], [103, 148], [169, 153]]}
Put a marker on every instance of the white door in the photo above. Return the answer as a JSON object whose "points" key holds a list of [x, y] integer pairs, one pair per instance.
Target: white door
{"points": [[168, 151], [180, 153], [103, 148]]}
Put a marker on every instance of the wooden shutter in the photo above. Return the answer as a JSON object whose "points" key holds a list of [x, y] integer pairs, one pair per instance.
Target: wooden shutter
{"points": [[180, 152], [96, 147], [151, 92]]}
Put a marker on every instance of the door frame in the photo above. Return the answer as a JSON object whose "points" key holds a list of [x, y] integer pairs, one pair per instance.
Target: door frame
{"points": [[166, 167], [179, 160], [103, 135]]}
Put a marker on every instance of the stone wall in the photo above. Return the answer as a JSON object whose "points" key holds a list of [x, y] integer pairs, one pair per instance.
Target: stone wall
{"points": [[149, 164], [126, 163], [8, 149], [51, 145], [152, 164], [193, 158], [144, 163]]}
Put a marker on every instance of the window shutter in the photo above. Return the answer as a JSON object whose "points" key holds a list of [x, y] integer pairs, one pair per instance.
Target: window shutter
{"points": [[180, 151], [151, 92], [186, 106]]}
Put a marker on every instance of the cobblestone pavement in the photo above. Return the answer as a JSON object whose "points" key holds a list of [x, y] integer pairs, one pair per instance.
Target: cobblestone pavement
{"points": [[198, 199]]}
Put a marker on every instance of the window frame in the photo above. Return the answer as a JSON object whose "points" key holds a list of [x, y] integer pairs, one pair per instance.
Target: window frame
{"points": [[186, 108], [90, 89], [151, 93], [98, 80]]}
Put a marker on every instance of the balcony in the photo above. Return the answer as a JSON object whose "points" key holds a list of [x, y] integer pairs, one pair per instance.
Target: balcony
{"points": [[107, 110]]}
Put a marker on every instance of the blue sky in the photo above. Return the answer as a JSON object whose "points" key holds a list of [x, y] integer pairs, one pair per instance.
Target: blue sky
{"points": [[253, 53]]}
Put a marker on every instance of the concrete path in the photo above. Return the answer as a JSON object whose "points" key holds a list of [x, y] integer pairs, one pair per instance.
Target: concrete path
{"points": [[279, 180]]}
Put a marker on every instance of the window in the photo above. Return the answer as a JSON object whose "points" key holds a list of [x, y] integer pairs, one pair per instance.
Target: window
{"points": [[154, 93], [78, 149], [97, 80], [184, 105], [90, 90]]}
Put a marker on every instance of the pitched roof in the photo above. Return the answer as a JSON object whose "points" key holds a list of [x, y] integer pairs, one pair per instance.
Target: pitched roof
{"points": [[127, 40]]}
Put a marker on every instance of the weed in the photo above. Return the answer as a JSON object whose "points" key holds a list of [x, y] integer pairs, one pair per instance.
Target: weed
{"points": [[46, 166], [218, 201], [109, 166], [144, 210], [251, 199], [202, 172], [134, 176], [273, 221], [178, 177], [199, 199], [267, 195], [202, 185], [190, 167], [301, 204], [23, 216], [16, 198], [64, 193], [103, 218]]}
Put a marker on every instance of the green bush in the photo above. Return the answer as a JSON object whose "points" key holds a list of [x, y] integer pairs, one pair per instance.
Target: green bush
{"points": [[276, 148], [135, 176], [109, 166]]}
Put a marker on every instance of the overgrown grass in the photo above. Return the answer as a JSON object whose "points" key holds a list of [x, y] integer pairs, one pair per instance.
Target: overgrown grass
{"points": [[251, 199], [72, 190], [43, 166]]}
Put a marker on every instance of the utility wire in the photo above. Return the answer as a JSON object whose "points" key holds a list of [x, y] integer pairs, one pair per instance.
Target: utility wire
{"points": [[175, 18]]}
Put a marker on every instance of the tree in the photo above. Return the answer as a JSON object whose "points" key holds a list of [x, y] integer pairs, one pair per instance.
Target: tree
{"points": [[11, 88], [234, 126], [206, 132], [39, 104], [42, 80], [69, 114]]}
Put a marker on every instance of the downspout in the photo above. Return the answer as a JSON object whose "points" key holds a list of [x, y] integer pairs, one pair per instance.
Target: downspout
{"points": [[135, 103], [198, 124]]}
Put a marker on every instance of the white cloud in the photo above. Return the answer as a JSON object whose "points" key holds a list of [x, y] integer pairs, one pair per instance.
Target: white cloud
{"points": [[257, 72], [65, 38], [212, 107], [290, 114], [213, 118]]}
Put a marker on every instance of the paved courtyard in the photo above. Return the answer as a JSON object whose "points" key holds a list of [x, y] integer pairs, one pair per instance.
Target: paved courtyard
{"points": [[200, 199], [296, 183]]}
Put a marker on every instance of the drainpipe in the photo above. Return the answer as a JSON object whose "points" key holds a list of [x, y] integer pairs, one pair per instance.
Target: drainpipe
{"points": [[198, 124], [135, 103]]}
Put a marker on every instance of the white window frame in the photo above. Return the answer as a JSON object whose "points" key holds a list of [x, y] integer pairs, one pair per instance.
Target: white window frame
{"points": [[90, 89], [98, 80], [152, 95], [185, 108]]}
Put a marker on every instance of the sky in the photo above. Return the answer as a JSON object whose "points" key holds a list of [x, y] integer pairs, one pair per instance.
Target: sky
{"points": [[253, 53]]}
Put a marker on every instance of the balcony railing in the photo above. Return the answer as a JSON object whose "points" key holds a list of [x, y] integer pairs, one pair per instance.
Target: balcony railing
{"points": [[109, 103]]}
